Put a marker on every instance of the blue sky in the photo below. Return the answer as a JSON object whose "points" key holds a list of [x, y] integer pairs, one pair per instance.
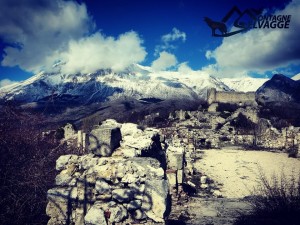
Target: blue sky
{"points": [[165, 34]]}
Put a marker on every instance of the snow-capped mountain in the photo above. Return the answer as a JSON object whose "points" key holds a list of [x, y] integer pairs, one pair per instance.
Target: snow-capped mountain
{"points": [[279, 89], [135, 82], [244, 84], [296, 77]]}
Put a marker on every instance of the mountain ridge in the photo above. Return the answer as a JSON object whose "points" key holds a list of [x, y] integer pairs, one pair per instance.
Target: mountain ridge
{"points": [[136, 82]]}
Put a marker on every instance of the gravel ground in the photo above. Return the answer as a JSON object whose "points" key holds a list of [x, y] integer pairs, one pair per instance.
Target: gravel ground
{"points": [[236, 171]]}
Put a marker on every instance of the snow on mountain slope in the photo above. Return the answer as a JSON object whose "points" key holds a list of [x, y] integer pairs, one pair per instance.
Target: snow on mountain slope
{"points": [[245, 84], [296, 77], [135, 82]]}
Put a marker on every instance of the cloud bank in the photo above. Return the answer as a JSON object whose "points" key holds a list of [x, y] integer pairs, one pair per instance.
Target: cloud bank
{"points": [[6, 82], [167, 40], [38, 31], [62, 31], [164, 61], [97, 51], [173, 36], [260, 50]]}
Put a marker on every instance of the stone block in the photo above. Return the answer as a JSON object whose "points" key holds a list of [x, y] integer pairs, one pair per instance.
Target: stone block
{"points": [[217, 194], [133, 205], [123, 195], [155, 201], [117, 213], [139, 215], [175, 161], [171, 179], [79, 216], [62, 194], [204, 186], [64, 179], [95, 216], [85, 192], [102, 187], [203, 179], [59, 207], [180, 176], [213, 107], [69, 131], [55, 221], [104, 140], [58, 210], [63, 161], [66, 176]]}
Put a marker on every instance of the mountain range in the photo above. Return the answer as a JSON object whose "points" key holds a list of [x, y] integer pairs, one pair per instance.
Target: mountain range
{"points": [[137, 82], [109, 94]]}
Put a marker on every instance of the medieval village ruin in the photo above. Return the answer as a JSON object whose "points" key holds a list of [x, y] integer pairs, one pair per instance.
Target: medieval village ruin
{"points": [[129, 174]]}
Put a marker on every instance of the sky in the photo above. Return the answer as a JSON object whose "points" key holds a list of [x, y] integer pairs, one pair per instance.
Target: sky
{"points": [[88, 35]]}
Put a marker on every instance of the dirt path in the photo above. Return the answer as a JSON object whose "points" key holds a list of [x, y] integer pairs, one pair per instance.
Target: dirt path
{"points": [[237, 171]]}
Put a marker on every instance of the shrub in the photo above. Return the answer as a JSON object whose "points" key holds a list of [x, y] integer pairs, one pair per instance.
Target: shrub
{"points": [[203, 105], [222, 107], [243, 124], [224, 138], [279, 123], [60, 133], [276, 202], [225, 114], [275, 112], [27, 167]]}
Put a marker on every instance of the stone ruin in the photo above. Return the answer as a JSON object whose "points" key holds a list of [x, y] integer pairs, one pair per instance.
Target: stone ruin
{"points": [[214, 96], [126, 178], [212, 130]]}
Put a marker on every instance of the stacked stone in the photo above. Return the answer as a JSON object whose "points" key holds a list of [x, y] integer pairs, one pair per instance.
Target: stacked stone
{"points": [[175, 171], [100, 189], [189, 159], [69, 131], [81, 141], [176, 178]]}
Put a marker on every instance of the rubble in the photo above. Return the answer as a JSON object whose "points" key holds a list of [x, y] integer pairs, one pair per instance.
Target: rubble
{"points": [[131, 174], [97, 188]]}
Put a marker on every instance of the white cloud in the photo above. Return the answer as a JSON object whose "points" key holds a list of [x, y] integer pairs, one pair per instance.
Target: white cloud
{"points": [[174, 35], [209, 54], [164, 61], [184, 68], [168, 39], [261, 50], [97, 51], [6, 82], [60, 31], [41, 29]]}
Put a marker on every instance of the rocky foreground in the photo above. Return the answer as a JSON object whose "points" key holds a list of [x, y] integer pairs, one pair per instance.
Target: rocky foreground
{"points": [[130, 174], [118, 183]]}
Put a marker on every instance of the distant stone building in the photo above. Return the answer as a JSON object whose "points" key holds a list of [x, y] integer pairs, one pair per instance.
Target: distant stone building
{"points": [[214, 96]]}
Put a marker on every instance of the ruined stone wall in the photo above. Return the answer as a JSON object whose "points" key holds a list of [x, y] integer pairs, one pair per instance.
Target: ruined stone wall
{"points": [[236, 97], [126, 186], [230, 97], [94, 190]]}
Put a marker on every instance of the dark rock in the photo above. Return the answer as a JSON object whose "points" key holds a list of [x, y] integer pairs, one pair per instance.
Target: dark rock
{"points": [[279, 89]]}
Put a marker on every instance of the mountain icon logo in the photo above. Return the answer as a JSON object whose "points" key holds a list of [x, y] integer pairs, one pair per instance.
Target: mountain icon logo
{"points": [[243, 21]]}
